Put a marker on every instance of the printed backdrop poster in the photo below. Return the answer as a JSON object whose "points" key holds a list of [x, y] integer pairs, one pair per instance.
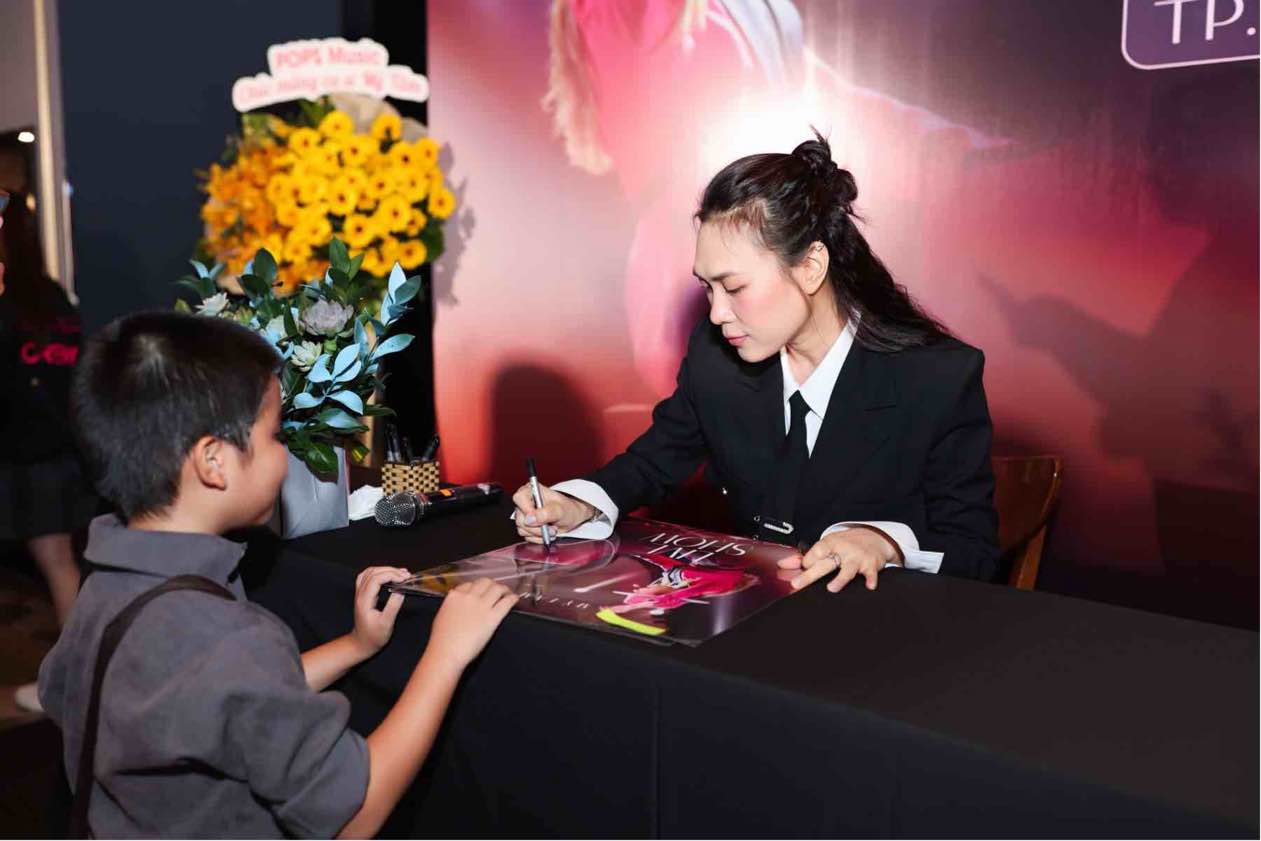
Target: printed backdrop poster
{"points": [[1089, 224], [651, 580]]}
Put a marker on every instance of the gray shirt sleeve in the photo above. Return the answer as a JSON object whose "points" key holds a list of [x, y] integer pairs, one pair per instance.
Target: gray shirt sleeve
{"points": [[289, 743]]}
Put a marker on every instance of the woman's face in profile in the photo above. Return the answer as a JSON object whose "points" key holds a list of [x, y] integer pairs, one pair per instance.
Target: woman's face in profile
{"points": [[755, 302]]}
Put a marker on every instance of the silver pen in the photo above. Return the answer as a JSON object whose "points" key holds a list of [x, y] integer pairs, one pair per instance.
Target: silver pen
{"points": [[538, 499]]}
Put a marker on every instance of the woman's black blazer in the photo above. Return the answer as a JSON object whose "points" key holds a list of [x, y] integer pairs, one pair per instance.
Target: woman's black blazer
{"points": [[906, 438]]}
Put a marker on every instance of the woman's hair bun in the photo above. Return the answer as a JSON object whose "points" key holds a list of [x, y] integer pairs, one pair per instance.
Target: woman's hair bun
{"points": [[816, 154]]}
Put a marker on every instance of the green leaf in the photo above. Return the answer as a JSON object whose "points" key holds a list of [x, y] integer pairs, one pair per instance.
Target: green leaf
{"points": [[347, 355], [314, 111], [350, 373], [319, 371], [321, 458], [407, 291], [182, 306], [255, 124], [338, 256], [305, 400], [353, 268], [340, 420], [376, 410], [270, 308], [291, 323], [358, 452], [350, 400], [255, 287], [392, 345], [354, 292], [397, 279], [203, 288], [290, 378], [264, 266]]}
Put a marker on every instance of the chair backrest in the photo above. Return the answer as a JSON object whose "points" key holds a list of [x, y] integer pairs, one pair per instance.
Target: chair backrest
{"points": [[1026, 489]]}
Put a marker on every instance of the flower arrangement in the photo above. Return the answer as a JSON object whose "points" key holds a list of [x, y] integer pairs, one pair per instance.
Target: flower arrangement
{"points": [[330, 337], [290, 186]]}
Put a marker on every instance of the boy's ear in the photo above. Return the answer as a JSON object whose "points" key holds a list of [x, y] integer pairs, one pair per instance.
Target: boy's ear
{"points": [[207, 458]]}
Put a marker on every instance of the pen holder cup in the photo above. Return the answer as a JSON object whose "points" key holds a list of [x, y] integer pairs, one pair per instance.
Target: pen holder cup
{"points": [[420, 477]]}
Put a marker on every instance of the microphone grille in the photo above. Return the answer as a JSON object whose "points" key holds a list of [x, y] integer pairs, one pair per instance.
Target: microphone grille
{"points": [[397, 509]]}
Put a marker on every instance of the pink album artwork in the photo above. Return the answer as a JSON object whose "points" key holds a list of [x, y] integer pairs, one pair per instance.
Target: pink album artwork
{"points": [[650, 580]]}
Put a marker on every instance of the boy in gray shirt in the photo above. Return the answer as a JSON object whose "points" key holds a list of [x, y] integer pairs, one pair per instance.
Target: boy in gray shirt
{"points": [[211, 724]]}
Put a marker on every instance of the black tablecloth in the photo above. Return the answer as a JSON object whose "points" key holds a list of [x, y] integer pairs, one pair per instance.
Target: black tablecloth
{"points": [[932, 707]]}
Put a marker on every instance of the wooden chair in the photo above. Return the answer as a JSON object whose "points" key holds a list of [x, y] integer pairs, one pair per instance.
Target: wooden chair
{"points": [[1026, 489]]}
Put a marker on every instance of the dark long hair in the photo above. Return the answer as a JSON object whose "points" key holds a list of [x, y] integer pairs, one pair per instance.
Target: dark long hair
{"points": [[28, 289], [791, 201]]}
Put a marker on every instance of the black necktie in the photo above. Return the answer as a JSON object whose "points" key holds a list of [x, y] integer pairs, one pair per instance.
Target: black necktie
{"points": [[782, 498]]}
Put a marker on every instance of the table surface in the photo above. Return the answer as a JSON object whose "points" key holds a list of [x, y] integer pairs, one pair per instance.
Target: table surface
{"points": [[1158, 707]]}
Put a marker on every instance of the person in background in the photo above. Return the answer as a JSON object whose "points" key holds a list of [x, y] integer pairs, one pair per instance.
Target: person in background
{"points": [[44, 497]]}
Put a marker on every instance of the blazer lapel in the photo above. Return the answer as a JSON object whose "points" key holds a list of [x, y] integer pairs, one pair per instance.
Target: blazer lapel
{"points": [[856, 424], [760, 411], [766, 380]]}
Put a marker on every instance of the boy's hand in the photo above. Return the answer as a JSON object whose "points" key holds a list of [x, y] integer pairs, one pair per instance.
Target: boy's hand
{"points": [[373, 627], [468, 617]]}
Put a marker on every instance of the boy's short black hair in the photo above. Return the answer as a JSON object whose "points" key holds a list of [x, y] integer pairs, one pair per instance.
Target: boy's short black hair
{"points": [[149, 385]]}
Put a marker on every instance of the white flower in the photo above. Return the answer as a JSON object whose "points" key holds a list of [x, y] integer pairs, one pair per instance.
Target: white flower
{"points": [[326, 318], [276, 328], [304, 355], [214, 305]]}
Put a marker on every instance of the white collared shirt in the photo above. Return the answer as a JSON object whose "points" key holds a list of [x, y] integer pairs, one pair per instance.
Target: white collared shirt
{"points": [[817, 392]]}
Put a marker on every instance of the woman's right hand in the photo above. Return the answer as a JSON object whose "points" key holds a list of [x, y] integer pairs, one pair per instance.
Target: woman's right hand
{"points": [[467, 619], [560, 511]]}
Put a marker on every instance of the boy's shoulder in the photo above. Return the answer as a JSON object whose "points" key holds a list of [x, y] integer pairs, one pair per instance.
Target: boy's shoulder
{"points": [[207, 618], [201, 625], [128, 562], [183, 619], [186, 647]]}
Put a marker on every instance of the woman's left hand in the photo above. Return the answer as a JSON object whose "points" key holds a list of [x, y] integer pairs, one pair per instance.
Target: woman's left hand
{"points": [[850, 553]]}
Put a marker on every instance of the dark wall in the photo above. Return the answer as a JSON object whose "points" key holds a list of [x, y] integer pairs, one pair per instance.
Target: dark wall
{"points": [[147, 94], [401, 28]]}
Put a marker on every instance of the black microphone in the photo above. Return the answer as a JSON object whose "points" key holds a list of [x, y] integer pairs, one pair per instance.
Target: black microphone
{"points": [[405, 508]]}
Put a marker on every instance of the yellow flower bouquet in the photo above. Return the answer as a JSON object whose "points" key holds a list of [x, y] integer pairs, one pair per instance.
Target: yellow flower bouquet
{"points": [[290, 185]]}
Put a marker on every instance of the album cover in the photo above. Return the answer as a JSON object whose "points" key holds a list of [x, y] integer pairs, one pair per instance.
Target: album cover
{"points": [[651, 580]]}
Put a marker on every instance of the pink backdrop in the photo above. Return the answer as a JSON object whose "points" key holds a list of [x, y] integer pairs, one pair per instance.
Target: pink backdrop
{"points": [[1091, 226]]}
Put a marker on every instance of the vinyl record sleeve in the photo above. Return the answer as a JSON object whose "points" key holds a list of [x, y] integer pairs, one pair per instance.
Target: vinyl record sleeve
{"points": [[650, 580]]}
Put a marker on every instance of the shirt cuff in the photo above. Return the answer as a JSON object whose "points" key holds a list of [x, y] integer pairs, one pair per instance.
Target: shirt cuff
{"points": [[601, 525], [904, 537]]}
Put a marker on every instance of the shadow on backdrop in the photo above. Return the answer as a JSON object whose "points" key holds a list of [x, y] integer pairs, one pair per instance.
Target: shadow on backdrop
{"points": [[1182, 398], [536, 410]]}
